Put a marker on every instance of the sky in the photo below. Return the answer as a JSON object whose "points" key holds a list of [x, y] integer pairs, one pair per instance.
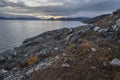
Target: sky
{"points": [[57, 8]]}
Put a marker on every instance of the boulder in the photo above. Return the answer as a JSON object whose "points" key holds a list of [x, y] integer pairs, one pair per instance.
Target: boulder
{"points": [[3, 71], [96, 28], [114, 27], [103, 30], [118, 22]]}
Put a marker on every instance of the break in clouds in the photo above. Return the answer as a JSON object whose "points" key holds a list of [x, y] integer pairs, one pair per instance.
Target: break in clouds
{"points": [[46, 8]]}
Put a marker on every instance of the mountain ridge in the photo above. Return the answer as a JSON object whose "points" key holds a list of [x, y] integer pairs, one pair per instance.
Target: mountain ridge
{"points": [[52, 19], [106, 19]]}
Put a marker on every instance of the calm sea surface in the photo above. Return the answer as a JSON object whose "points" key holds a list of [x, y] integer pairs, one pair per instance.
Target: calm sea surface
{"points": [[13, 32]]}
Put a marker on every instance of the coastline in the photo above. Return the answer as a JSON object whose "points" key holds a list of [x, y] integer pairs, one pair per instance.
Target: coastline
{"points": [[89, 52], [25, 29], [47, 49]]}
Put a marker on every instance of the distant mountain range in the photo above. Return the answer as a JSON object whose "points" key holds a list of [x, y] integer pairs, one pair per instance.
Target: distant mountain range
{"points": [[51, 19], [19, 18], [71, 19]]}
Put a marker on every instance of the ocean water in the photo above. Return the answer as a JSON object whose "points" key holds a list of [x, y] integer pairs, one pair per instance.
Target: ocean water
{"points": [[14, 32]]}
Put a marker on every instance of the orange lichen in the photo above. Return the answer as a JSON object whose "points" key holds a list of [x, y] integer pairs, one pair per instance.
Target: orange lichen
{"points": [[86, 43], [32, 60], [28, 62]]}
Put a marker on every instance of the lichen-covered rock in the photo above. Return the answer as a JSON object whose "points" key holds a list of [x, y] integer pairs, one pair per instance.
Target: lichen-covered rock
{"points": [[43, 65], [32, 60], [29, 61], [14, 77]]}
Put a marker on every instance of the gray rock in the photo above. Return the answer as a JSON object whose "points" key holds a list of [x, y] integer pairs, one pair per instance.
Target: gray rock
{"points": [[103, 30], [41, 55], [118, 22], [115, 62], [30, 71], [16, 70], [75, 36], [9, 66], [118, 41], [3, 71], [96, 28], [43, 65], [57, 48], [65, 65], [114, 27], [44, 51], [14, 77], [2, 60], [57, 57], [29, 49], [68, 60], [64, 54], [8, 54], [117, 29], [93, 49], [1, 77]]}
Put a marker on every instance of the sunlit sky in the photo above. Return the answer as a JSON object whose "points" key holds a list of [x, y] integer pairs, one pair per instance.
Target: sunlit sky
{"points": [[57, 8]]}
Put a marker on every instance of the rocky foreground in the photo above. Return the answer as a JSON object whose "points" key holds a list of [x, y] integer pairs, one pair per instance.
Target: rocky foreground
{"points": [[89, 52]]}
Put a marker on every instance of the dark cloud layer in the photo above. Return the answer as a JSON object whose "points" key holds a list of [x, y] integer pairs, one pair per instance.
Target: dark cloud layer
{"points": [[57, 7]]}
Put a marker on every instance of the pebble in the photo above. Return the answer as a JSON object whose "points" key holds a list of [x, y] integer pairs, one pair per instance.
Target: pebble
{"points": [[57, 57], [93, 49], [56, 48]]}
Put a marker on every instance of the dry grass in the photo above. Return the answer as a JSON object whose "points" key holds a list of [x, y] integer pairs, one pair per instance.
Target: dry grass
{"points": [[86, 64], [29, 61]]}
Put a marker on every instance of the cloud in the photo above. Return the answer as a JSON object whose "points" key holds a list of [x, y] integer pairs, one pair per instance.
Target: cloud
{"points": [[57, 7]]}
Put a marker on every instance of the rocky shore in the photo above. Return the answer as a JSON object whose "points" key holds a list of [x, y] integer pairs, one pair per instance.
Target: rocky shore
{"points": [[88, 52]]}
